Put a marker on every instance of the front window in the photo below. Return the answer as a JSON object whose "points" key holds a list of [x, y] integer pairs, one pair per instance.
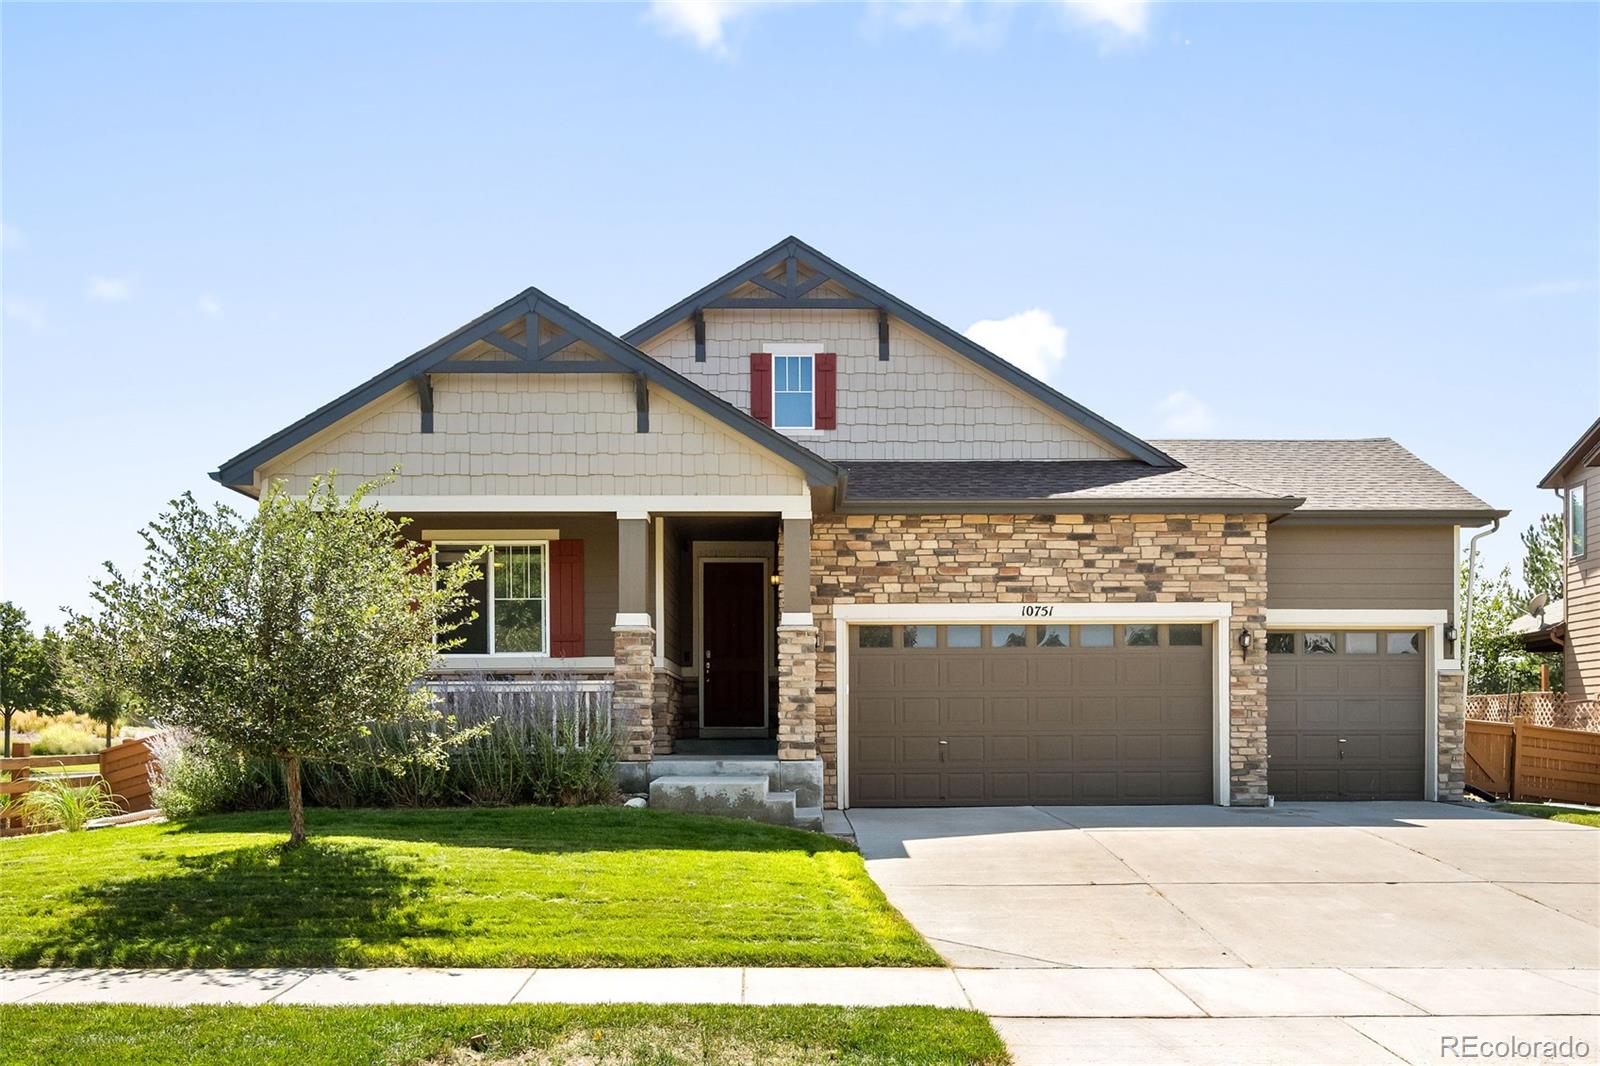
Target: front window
{"points": [[1575, 521], [793, 397], [510, 600]]}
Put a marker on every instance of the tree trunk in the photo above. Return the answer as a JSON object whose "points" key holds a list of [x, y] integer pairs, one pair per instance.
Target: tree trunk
{"points": [[108, 734], [7, 748], [297, 813]]}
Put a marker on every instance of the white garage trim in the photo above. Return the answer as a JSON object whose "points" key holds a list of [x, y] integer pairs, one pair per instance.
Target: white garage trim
{"points": [[1432, 624], [1216, 614]]}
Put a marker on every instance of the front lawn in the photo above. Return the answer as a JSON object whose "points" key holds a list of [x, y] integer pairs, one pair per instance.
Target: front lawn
{"points": [[357, 1036], [1555, 814], [521, 886]]}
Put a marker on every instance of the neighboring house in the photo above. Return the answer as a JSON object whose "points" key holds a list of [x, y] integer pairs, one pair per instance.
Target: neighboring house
{"points": [[793, 517], [1576, 628]]}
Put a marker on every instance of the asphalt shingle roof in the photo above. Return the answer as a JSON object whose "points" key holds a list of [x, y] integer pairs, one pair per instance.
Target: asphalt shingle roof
{"points": [[1074, 479], [1372, 474]]}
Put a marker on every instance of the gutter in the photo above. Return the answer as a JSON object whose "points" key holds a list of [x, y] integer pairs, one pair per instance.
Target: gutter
{"points": [[1465, 651], [1277, 505]]}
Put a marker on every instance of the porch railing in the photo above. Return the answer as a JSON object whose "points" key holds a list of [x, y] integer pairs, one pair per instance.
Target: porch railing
{"points": [[578, 708]]}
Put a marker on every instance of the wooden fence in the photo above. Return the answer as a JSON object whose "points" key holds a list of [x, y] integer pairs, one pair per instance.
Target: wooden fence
{"points": [[1541, 708], [1523, 761], [125, 769]]}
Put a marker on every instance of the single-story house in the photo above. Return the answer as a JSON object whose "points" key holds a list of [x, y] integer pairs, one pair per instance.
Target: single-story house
{"points": [[811, 535]]}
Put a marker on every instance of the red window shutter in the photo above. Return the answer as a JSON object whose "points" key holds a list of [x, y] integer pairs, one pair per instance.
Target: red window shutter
{"points": [[761, 387], [826, 383], [566, 598]]}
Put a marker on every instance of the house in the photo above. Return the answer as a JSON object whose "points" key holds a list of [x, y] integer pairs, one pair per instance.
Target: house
{"points": [[829, 550], [1574, 626]]}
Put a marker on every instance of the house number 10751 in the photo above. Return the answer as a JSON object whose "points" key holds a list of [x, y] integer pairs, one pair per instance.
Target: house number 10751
{"points": [[1037, 610]]}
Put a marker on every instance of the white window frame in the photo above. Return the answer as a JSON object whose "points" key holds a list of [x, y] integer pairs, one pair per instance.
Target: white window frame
{"points": [[1577, 501], [488, 578], [792, 351]]}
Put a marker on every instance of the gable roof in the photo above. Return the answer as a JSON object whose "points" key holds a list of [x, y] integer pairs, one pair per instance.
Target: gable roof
{"points": [[1586, 451], [1027, 383], [238, 472], [1369, 478]]}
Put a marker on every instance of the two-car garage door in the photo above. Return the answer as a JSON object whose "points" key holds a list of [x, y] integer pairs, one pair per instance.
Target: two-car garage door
{"points": [[951, 715]]}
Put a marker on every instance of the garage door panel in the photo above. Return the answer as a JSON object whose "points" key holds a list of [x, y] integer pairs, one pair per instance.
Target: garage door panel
{"points": [[1047, 724], [1372, 701]]}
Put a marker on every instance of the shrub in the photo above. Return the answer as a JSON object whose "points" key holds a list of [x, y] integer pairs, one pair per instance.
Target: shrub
{"points": [[62, 739], [60, 805], [548, 743]]}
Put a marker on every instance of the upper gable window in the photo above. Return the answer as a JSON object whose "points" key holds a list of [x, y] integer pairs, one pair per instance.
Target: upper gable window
{"points": [[793, 391], [1576, 533]]}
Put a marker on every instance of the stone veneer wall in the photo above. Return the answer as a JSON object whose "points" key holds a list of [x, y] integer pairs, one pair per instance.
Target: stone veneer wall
{"points": [[1452, 735], [633, 695], [797, 692], [1067, 557], [666, 697]]}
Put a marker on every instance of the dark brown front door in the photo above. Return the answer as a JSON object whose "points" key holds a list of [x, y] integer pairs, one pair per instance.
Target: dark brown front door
{"points": [[733, 660]]}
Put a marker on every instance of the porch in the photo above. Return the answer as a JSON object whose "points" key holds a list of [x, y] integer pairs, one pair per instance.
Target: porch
{"points": [[698, 622]]}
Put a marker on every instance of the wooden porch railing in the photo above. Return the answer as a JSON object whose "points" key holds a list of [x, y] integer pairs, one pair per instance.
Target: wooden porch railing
{"points": [[124, 767], [1523, 761]]}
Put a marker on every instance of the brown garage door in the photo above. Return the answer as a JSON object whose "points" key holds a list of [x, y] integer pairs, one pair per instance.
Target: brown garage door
{"points": [[1345, 715], [954, 715]]}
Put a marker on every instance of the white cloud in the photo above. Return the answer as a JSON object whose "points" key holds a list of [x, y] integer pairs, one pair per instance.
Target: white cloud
{"points": [[210, 306], [110, 290], [26, 313], [1126, 19], [1183, 412], [703, 22], [981, 24], [1030, 340]]}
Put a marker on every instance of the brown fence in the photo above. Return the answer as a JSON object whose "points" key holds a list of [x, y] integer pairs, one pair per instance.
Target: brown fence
{"points": [[1551, 709], [1523, 761], [125, 768]]}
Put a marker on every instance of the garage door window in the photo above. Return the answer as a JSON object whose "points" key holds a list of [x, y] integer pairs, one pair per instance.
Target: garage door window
{"points": [[1008, 637], [875, 637], [1185, 636], [1094, 636], [1404, 643], [1139, 636], [963, 637], [1321, 644], [1280, 643], [1361, 643], [1053, 636], [920, 636]]}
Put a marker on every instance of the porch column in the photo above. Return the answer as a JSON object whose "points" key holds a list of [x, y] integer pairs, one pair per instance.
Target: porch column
{"points": [[633, 644], [797, 648]]}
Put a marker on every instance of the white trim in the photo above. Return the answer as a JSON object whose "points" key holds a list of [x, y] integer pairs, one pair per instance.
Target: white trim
{"points": [[481, 537], [512, 661], [797, 506], [1216, 613], [796, 618], [793, 351], [659, 606], [631, 620], [736, 551], [1432, 623], [488, 589]]}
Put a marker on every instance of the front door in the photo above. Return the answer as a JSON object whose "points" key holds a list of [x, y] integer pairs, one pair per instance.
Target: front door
{"points": [[733, 661]]}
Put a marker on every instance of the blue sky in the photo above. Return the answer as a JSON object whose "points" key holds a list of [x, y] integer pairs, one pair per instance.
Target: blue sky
{"points": [[1196, 219]]}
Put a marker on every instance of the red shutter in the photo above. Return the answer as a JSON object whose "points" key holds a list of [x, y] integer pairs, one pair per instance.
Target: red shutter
{"points": [[566, 598], [761, 387], [827, 378]]}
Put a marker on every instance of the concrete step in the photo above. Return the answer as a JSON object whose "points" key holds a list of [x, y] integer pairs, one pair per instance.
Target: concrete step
{"points": [[728, 795], [803, 778], [810, 818]]}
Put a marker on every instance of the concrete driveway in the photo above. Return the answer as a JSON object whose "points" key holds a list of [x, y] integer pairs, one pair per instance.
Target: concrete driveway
{"points": [[1308, 932]]}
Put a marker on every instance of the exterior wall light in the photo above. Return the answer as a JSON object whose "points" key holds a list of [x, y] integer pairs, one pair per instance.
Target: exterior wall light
{"points": [[1450, 632], [1245, 640], [776, 579]]}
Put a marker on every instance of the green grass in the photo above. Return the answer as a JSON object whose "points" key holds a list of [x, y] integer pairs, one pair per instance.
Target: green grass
{"points": [[1555, 814], [357, 1036], [520, 886]]}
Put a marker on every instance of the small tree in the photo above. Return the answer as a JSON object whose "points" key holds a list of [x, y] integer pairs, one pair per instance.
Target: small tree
{"points": [[96, 675], [288, 634], [29, 669], [1497, 660], [1543, 560]]}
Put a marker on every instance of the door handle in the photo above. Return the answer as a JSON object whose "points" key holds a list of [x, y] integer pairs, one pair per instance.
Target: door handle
{"points": [[944, 748], [707, 669], [1341, 747]]}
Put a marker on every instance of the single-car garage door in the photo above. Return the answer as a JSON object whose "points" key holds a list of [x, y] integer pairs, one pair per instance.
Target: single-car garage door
{"points": [[1345, 715], [953, 715]]}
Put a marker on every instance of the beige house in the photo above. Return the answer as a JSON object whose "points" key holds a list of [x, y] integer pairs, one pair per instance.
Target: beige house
{"points": [[826, 551], [1573, 624]]}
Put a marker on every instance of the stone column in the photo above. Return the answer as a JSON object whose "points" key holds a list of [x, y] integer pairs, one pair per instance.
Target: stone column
{"points": [[633, 645], [1452, 735], [797, 648]]}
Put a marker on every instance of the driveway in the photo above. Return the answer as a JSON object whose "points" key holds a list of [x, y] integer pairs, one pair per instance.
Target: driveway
{"points": [[1307, 932]]}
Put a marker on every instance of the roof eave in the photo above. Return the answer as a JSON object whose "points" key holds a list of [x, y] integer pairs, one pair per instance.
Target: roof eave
{"points": [[1401, 516], [1271, 506], [1586, 447]]}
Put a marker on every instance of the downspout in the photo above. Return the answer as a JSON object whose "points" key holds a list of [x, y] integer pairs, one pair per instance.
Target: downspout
{"points": [[1465, 651]]}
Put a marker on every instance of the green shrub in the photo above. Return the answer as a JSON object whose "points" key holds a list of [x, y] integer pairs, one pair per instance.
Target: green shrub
{"points": [[62, 739], [60, 805], [545, 743]]}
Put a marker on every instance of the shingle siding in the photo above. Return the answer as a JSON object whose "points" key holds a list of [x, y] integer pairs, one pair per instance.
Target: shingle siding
{"points": [[925, 402], [547, 435]]}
